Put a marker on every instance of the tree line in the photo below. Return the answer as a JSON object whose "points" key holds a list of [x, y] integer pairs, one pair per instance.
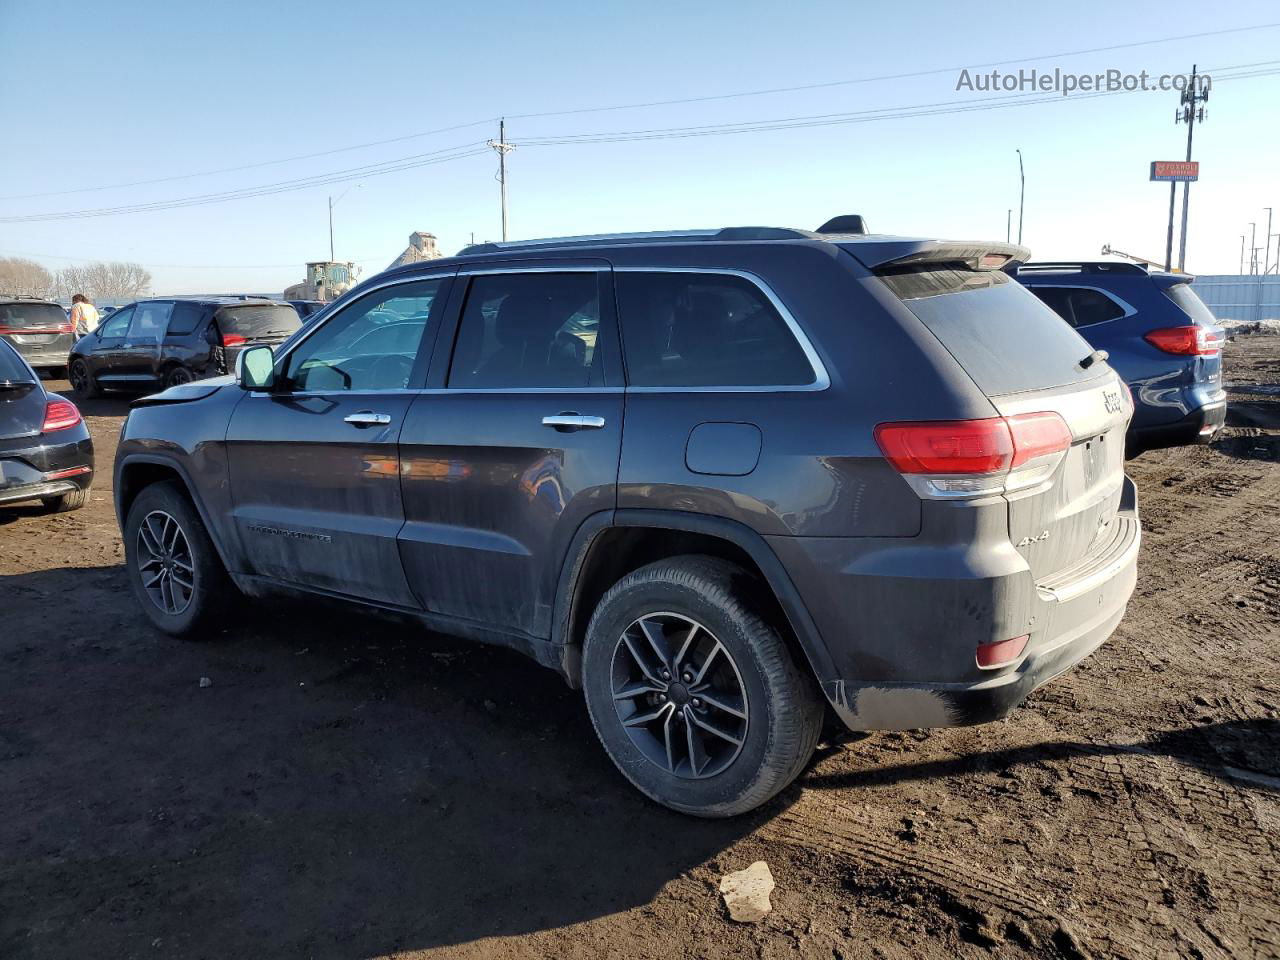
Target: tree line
{"points": [[105, 280]]}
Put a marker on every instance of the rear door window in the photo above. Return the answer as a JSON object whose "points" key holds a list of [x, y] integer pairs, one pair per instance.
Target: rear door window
{"points": [[997, 329], [149, 322], [186, 317], [530, 330], [686, 329], [1079, 306]]}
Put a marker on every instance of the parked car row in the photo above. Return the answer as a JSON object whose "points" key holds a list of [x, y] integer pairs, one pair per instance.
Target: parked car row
{"points": [[731, 484]]}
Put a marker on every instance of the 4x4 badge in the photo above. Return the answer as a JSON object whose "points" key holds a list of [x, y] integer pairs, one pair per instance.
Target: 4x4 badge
{"points": [[1111, 400], [1028, 541]]}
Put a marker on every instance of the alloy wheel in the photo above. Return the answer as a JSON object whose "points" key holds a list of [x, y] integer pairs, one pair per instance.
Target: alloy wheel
{"points": [[679, 695], [165, 563]]}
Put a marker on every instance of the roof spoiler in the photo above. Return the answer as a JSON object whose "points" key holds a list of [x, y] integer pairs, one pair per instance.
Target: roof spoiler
{"points": [[890, 254], [1167, 280]]}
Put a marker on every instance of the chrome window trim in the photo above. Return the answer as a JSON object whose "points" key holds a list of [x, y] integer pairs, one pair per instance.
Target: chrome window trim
{"points": [[822, 379], [494, 271], [1124, 305]]}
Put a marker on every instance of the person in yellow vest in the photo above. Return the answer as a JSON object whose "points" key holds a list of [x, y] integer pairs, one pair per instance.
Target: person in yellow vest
{"points": [[84, 316]]}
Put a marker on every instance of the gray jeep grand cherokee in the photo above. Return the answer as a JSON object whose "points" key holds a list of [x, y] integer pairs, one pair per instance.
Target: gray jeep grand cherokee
{"points": [[721, 481]]}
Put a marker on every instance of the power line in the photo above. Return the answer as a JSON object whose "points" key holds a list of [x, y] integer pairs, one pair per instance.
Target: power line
{"points": [[463, 151], [652, 103]]}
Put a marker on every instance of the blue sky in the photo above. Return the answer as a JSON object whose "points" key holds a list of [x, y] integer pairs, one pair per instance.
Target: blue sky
{"points": [[94, 94]]}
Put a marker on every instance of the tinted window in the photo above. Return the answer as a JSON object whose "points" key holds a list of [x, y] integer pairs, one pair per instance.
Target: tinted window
{"points": [[704, 329], [11, 367], [1190, 302], [149, 322], [117, 326], [185, 318], [371, 344], [31, 316], [1079, 306], [529, 330], [1005, 338], [259, 320]]}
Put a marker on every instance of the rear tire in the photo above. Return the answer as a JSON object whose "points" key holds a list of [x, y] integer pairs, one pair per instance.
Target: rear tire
{"points": [[766, 707], [178, 376], [82, 380], [173, 567], [67, 502]]}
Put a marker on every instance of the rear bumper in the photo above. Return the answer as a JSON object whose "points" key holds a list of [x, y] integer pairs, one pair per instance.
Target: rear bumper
{"points": [[1198, 426], [894, 639], [38, 491]]}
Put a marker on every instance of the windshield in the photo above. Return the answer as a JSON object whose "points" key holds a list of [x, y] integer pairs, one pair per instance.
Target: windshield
{"points": [[1190, 303], [998, 330], [255, 321], [32, 316]]}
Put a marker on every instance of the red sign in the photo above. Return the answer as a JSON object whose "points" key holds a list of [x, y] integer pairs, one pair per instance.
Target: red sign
{"points": [[1175, 170]]}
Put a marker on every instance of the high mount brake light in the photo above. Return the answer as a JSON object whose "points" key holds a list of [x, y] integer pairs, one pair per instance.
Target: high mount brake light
{"points": [[60, 415], [233, 340], [970, 458], [1187, 341]]}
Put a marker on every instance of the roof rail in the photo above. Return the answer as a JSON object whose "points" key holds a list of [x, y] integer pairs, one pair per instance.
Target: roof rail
{"points": [[1079, 266], [659, 236]]}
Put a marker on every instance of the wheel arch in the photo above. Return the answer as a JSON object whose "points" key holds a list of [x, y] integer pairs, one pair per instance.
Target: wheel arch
{"points": [[138, 471], [610, 544]]}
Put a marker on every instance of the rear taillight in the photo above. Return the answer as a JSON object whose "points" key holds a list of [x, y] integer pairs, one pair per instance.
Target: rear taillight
{"points": [[972, 458], [1187, 341], [60, 415], [64, 327], [233, 340]]}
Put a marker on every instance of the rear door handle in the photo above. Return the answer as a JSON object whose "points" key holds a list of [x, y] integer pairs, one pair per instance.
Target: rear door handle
{"points": [[573, 421], [367, 418]]}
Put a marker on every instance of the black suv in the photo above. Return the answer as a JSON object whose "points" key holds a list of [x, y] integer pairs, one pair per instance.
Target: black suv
{"points": [[722, 481], [39, 330], [171, 341]]}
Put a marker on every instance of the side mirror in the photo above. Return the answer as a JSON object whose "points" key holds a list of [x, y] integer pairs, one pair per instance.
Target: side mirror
{"points": [[256, 368]]}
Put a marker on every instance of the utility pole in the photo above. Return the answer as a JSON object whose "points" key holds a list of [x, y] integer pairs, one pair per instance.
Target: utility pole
{"points": [[331, 228], [1266, 245], [1242, 254], [1253, 248], [1008, 225], [503, 149], [1190, 114], [1022, 194], [1168, 242]]}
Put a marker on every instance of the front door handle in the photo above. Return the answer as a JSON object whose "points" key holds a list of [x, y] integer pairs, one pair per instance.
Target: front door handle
{"points": [[566, 422], [367, 418]]}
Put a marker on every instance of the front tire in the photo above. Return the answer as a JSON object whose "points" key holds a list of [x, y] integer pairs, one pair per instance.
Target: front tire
{"points": [[82, 380], [693, 692], [174, 570]]}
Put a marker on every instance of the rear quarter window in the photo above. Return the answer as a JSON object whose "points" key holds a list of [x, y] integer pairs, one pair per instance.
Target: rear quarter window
{"points": [[997, 329]]}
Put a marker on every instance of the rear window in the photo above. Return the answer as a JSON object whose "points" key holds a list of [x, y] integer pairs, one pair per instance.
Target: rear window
{"points": [[12, 368], [1079, 306], [1190, 303], [1003, 336], [259, 320], [31, 316]]}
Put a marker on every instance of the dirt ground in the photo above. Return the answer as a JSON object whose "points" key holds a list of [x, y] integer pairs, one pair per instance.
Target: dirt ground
{"points": [[347, 788]]}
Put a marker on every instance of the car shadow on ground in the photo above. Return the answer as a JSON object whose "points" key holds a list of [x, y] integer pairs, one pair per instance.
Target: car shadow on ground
{"points": [[1246, 752], [341, 787], [1253, 427]]}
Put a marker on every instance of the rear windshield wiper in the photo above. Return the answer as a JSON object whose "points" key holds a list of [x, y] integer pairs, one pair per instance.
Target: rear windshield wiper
{"points": [[16, 384], [1096, 357]]}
